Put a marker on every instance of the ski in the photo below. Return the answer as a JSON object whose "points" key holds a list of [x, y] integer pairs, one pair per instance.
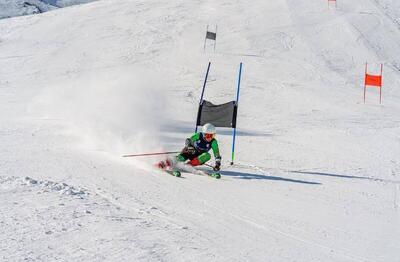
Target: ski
{"points": [[175, 169], [175, 173], [215, 175], [195, 171], [212, 174]]}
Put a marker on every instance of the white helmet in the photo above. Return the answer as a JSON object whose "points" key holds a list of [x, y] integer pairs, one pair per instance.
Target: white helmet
{"points": [[209, 129]]}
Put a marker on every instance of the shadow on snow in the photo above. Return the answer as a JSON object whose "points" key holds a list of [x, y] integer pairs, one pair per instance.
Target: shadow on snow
{"points": [[240, 175], [345, 176], [333, 175]]}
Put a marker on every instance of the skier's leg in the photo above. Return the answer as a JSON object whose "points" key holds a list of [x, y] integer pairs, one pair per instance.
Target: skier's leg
{"points": [[171, 161], [181, 158], [184, 156], [201, 159]]}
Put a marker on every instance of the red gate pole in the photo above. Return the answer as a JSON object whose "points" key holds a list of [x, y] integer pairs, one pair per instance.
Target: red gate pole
{"points": [[365, 84], [152, 154], [380, 88]]}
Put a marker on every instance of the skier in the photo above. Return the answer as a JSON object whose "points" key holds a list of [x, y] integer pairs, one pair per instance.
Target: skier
{"points": [[196, 149]]}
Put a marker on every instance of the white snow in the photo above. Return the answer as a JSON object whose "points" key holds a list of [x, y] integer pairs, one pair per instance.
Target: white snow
{"points": [[316, 176], [11, 8]]}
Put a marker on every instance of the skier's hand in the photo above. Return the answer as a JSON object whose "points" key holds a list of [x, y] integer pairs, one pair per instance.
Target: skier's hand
{"points": [[190, 150], [217, 166]]}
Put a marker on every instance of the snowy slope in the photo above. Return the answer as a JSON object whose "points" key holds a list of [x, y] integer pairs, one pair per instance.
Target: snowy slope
{"points": [[317, 172], [11, 8]]}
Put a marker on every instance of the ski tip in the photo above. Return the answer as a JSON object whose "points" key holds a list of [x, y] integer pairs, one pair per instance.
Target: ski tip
{"points": [[176, 173], [216, 175]]}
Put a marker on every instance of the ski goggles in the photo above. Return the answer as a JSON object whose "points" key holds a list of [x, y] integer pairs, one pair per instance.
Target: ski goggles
{"points": [[209, 136]]}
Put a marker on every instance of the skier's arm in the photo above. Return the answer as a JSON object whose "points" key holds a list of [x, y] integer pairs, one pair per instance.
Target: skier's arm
{"points": [[215, 148], [189, 141], [189, 148]]}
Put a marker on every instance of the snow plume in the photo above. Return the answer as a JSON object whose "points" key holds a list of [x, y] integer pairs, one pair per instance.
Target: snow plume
{"points": [[114, 111]]}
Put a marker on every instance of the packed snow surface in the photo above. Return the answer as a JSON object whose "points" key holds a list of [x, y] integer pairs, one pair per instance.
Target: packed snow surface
{"points": [[316, 173]]}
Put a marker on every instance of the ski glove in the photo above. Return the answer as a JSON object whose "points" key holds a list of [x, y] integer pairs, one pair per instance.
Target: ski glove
{"points": [[190, 150], [217, 165]]}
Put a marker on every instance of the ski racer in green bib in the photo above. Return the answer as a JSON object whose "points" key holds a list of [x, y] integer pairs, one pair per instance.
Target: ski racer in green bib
{"points": [[197, 146]]}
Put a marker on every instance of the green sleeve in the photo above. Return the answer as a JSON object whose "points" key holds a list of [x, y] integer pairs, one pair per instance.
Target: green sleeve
{"points": [[195, 137], [215, 148]]}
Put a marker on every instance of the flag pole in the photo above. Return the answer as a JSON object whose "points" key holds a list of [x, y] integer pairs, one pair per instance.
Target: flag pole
{"points": [[205, 39], [237, 105], [202, 92]]}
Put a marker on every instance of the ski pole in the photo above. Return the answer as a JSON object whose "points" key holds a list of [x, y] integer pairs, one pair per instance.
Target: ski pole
{"points": [[152, 154]]}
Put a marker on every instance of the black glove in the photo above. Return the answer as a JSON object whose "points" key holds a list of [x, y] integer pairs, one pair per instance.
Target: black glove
{"points": [[217, 165], [189, 150]]}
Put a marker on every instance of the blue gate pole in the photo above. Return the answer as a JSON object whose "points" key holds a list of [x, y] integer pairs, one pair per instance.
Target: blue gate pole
{"points": [[202, 92], [237, 104]]}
